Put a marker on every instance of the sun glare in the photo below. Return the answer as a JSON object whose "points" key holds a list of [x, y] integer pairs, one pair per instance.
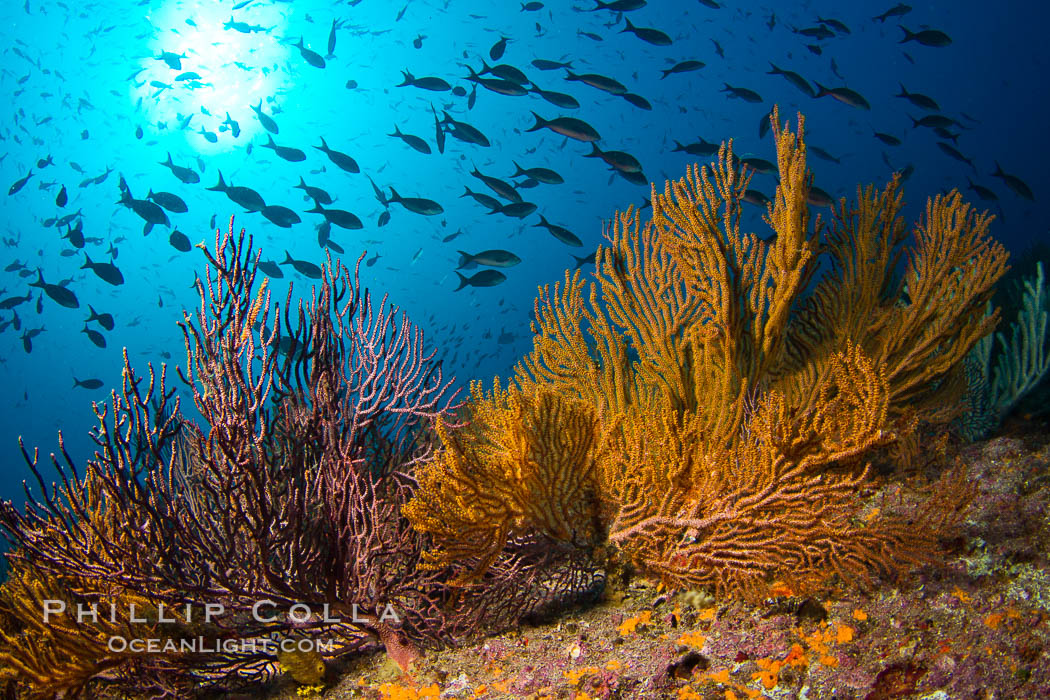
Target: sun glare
{"points": [[205, 65]]}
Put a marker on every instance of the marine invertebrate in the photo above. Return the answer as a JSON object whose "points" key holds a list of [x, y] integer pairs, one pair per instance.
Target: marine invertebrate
{"points": [[510, 503], [737, 408], [1025, 360], [287, 493], [46, 650], [525, 463], [47, 658], [1020, 363]]}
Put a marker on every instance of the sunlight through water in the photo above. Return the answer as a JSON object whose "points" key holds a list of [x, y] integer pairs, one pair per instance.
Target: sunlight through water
{"points": [[234, 65]]}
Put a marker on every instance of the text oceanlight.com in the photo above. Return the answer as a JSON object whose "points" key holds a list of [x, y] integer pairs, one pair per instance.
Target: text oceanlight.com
{"points": [[200, 645]]}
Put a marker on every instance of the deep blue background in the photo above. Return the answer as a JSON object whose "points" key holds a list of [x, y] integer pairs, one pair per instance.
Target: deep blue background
{"points": [[994, 71]]}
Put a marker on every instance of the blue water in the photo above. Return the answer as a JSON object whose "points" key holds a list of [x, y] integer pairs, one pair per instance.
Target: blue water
{"points": [[105, 53]]}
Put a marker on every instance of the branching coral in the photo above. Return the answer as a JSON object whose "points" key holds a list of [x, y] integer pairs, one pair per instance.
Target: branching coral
{"points": [[778, 503], [289, 492], [1020, 363], [736, 407], [56, 629], [526, 464]]}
